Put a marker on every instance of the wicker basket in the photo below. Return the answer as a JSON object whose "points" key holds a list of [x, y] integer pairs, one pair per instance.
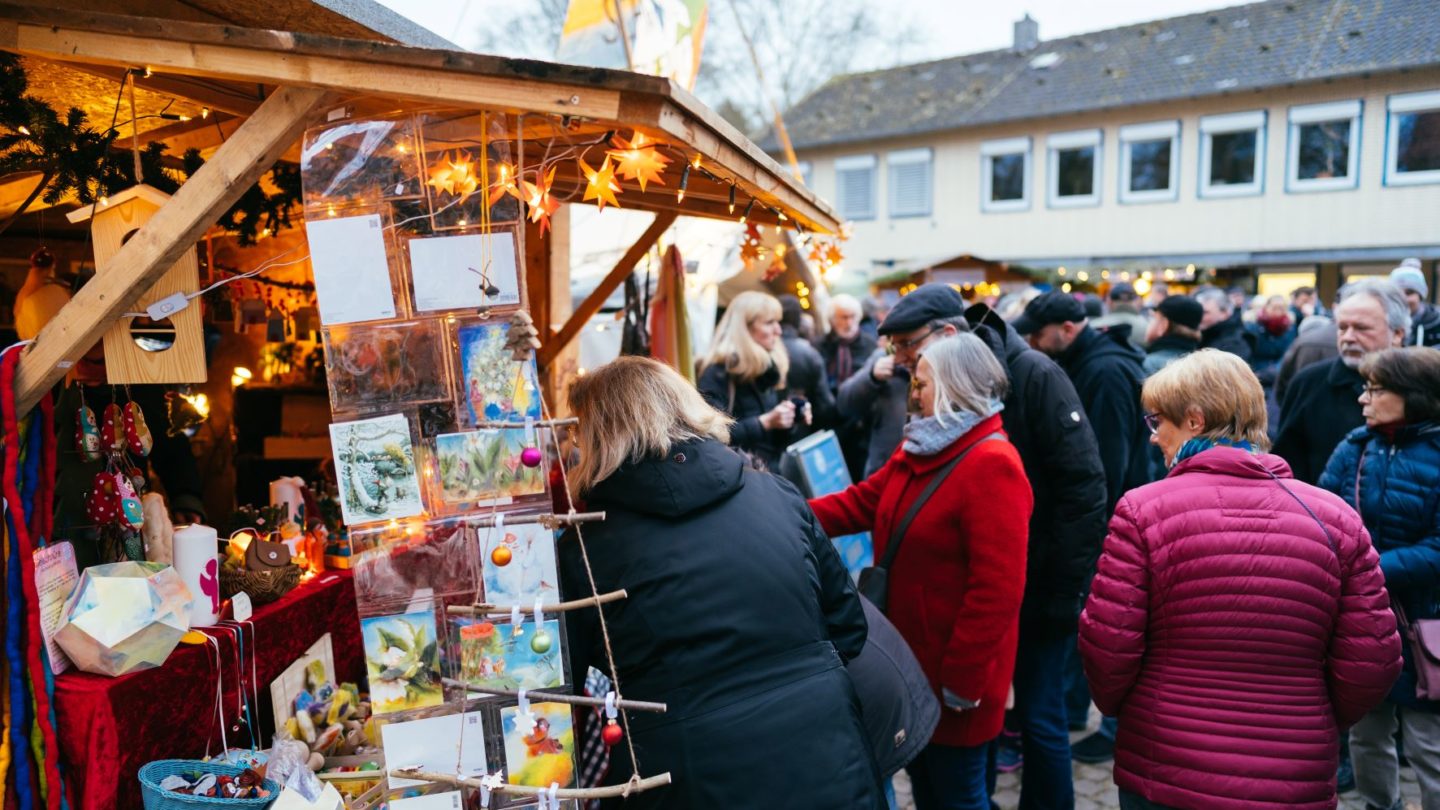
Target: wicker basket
{"points": [[157, 798], [264, 587]]}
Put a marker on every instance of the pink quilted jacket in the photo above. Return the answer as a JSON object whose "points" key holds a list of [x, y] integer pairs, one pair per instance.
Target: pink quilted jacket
{"points": [[1229, 638]]}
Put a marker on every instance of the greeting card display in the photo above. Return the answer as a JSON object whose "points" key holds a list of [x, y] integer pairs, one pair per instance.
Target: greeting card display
{"points": [[378, 367], [492, 654], [539, 746], [517, 564], [375, 465], [348, 256], [469, 271], [482, 467], [494, 386], [402, 659], [395, 563], [360, 161], [451, 743]]}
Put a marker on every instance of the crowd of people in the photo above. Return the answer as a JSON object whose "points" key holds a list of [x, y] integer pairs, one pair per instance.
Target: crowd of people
{"points": [[1215, 518]]}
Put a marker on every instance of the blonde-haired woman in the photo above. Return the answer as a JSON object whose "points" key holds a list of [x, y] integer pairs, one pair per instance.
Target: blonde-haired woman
{"points": [[740, 615], [744, 376], [1239, 619]]}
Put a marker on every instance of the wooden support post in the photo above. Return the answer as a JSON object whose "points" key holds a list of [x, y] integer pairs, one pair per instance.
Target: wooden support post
{"points": [[591, 305], [174, 229]]}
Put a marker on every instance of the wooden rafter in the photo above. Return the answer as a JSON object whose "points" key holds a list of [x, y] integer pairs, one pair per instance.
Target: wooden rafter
{"points": [[157, 246], [596, 299]]}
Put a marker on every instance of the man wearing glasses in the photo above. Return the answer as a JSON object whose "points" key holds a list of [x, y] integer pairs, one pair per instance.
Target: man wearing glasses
{"points": [[1045, 421]]}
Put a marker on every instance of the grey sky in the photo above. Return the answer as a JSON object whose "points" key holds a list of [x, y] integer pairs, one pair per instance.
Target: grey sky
{"points": [[957, 26]]}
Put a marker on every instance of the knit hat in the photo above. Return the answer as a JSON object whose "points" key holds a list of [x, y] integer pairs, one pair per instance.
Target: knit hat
{"points": [[1182, 310], [1409, 277]]}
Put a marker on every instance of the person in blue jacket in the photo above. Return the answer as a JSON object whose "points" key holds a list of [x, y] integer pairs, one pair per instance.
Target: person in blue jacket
{"points": [[1389, 471]]}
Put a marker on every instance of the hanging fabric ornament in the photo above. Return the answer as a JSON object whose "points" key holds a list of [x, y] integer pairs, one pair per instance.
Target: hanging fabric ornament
{"points": [[102, 505], [130, 510], [87, 434], [137, 433], [112, 431]]}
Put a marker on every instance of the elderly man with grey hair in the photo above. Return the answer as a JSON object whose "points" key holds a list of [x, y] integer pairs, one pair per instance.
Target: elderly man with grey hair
{"points": [[1321, 404]]}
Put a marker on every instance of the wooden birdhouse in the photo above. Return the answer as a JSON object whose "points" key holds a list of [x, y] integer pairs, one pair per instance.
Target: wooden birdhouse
{"points": [[139, 350]]}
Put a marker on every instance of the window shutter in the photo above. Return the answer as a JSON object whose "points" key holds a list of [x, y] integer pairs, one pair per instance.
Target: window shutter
{"points": [[910, 184], [855, 192]]}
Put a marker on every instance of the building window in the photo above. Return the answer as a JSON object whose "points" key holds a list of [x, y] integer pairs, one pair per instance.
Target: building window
{"points": [[1005, 175], [910, 182], [1149, 164], [1413, 153], [1074, 168], [1232, 154], [1324, 151], [855, 186], [807, 175]]}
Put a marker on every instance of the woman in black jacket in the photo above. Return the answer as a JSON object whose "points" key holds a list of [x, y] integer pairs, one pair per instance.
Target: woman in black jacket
{"points": [[740, 615], [745, 377]]}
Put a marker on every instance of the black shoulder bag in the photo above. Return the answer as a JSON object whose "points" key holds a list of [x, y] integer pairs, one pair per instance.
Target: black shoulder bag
{"points": [[874, 583]]}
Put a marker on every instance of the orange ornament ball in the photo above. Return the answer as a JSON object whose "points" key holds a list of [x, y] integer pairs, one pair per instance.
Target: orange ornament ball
{"points": [[501, 556]]}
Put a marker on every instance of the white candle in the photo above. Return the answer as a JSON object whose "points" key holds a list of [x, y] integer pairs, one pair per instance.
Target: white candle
{"points": [[197, 561]]}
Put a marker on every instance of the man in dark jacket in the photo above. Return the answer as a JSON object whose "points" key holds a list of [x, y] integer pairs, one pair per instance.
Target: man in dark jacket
{"points": [[807, 369], [1424, 318], [1174, 332], [845, 350], [1045, 421], [878, 396], [1321, 404], [1107, 373], [1314, 343], [1222, 328]]}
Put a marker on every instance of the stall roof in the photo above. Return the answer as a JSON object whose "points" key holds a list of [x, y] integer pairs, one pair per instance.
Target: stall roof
{"points": [[238, 67]]}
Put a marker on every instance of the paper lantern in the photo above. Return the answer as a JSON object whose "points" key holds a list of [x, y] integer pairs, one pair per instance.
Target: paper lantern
{"points": [[124, 617], [150, 353]]}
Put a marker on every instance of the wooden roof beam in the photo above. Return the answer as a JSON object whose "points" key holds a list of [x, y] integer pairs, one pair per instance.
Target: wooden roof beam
{"points": [[159, 244]]}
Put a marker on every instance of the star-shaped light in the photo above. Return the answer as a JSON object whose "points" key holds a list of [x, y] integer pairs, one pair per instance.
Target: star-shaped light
{"points": [[454, 175], [639, 160], [504, 175], [751, 247], [600, 183], [442, 175], [833, 256], [538, 198]]}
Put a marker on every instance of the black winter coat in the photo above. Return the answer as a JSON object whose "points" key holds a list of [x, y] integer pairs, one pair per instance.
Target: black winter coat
{"points": [[882, 406], [896, 701], [1108, 374], [1425, 327], [807, 375], [1320, 407], [1046, 422], [1229, 336], [746, 402], [740, 616]]}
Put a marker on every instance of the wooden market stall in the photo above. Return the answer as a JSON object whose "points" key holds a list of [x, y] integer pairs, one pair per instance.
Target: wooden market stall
{"points": [[252, 96]]}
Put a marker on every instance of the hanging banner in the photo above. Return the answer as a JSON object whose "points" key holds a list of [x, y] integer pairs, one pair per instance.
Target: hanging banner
{"points": [[665, 36]]}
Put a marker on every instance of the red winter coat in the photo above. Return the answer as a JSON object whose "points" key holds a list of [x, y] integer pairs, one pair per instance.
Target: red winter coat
{"points": [[1231, 641], [957, 581]]}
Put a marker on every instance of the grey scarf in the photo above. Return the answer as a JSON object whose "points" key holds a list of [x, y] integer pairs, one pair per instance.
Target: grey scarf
{"points": [[927, 435]]}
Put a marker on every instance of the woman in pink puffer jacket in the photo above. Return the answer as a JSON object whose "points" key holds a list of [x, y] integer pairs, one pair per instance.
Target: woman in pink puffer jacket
{"points": [[1239, 619]]}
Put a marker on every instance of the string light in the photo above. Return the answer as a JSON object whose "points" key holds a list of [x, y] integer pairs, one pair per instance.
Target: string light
{"points": [[684, 182], [24, 130], [732, 198], [745, 217], [204, 112]]}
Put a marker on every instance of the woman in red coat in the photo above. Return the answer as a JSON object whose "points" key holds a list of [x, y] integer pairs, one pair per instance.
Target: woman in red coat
{"points": [[958, 577], [1239, 619]]}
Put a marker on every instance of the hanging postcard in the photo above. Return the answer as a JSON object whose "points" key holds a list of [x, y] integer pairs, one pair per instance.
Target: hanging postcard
{"points": [[402, 660], [466, 271], [383, 367], [488, 654], [375, 465], [518, 565], [352, 273], [453, 743], [539, 745], [394, 562], [485, 467], [494, 386]]}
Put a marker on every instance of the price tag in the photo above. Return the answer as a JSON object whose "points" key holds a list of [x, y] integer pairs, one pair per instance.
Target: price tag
{"points": [[240, 602]]}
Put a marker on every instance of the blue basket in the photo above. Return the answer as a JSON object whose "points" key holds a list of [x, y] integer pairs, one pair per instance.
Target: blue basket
{"points": [[157, 798]]}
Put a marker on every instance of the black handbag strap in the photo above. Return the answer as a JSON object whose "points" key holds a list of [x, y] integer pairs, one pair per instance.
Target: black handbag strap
{"points": [[898, 533]]}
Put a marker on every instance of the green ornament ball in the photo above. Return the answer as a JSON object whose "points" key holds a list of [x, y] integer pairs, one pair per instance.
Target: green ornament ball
{"points": [[540, 642]]}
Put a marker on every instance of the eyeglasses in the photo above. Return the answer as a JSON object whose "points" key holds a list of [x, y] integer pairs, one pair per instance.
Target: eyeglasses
{"points": [[1152, 421], [907, 345], [1371, 390]]}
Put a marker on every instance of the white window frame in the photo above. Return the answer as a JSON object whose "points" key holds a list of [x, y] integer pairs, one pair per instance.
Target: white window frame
{"points": [[1150, 132], [1397, 105], [1211, 125], [1316, 114], [911, 157], [1064, 141], [993, 149], [855, 163]]}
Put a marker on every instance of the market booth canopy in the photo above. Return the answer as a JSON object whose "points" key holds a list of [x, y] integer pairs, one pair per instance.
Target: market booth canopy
{"points": [[260, 89]]}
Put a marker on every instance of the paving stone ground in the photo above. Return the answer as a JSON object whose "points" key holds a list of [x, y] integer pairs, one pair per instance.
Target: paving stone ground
{"points": [[1095, 790]]}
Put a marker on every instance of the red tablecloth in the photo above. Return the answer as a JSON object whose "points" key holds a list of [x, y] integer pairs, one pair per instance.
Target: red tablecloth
{"points": [[110, 727]]}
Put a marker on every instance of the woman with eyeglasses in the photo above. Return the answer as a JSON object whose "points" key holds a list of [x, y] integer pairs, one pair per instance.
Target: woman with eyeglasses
{"points": [[1238, 621], [1389, 471]]}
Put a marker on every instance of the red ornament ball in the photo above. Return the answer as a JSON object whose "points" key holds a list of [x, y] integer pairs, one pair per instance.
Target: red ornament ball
{"points": [[531, 457], [501, 556], [612, 733]]}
